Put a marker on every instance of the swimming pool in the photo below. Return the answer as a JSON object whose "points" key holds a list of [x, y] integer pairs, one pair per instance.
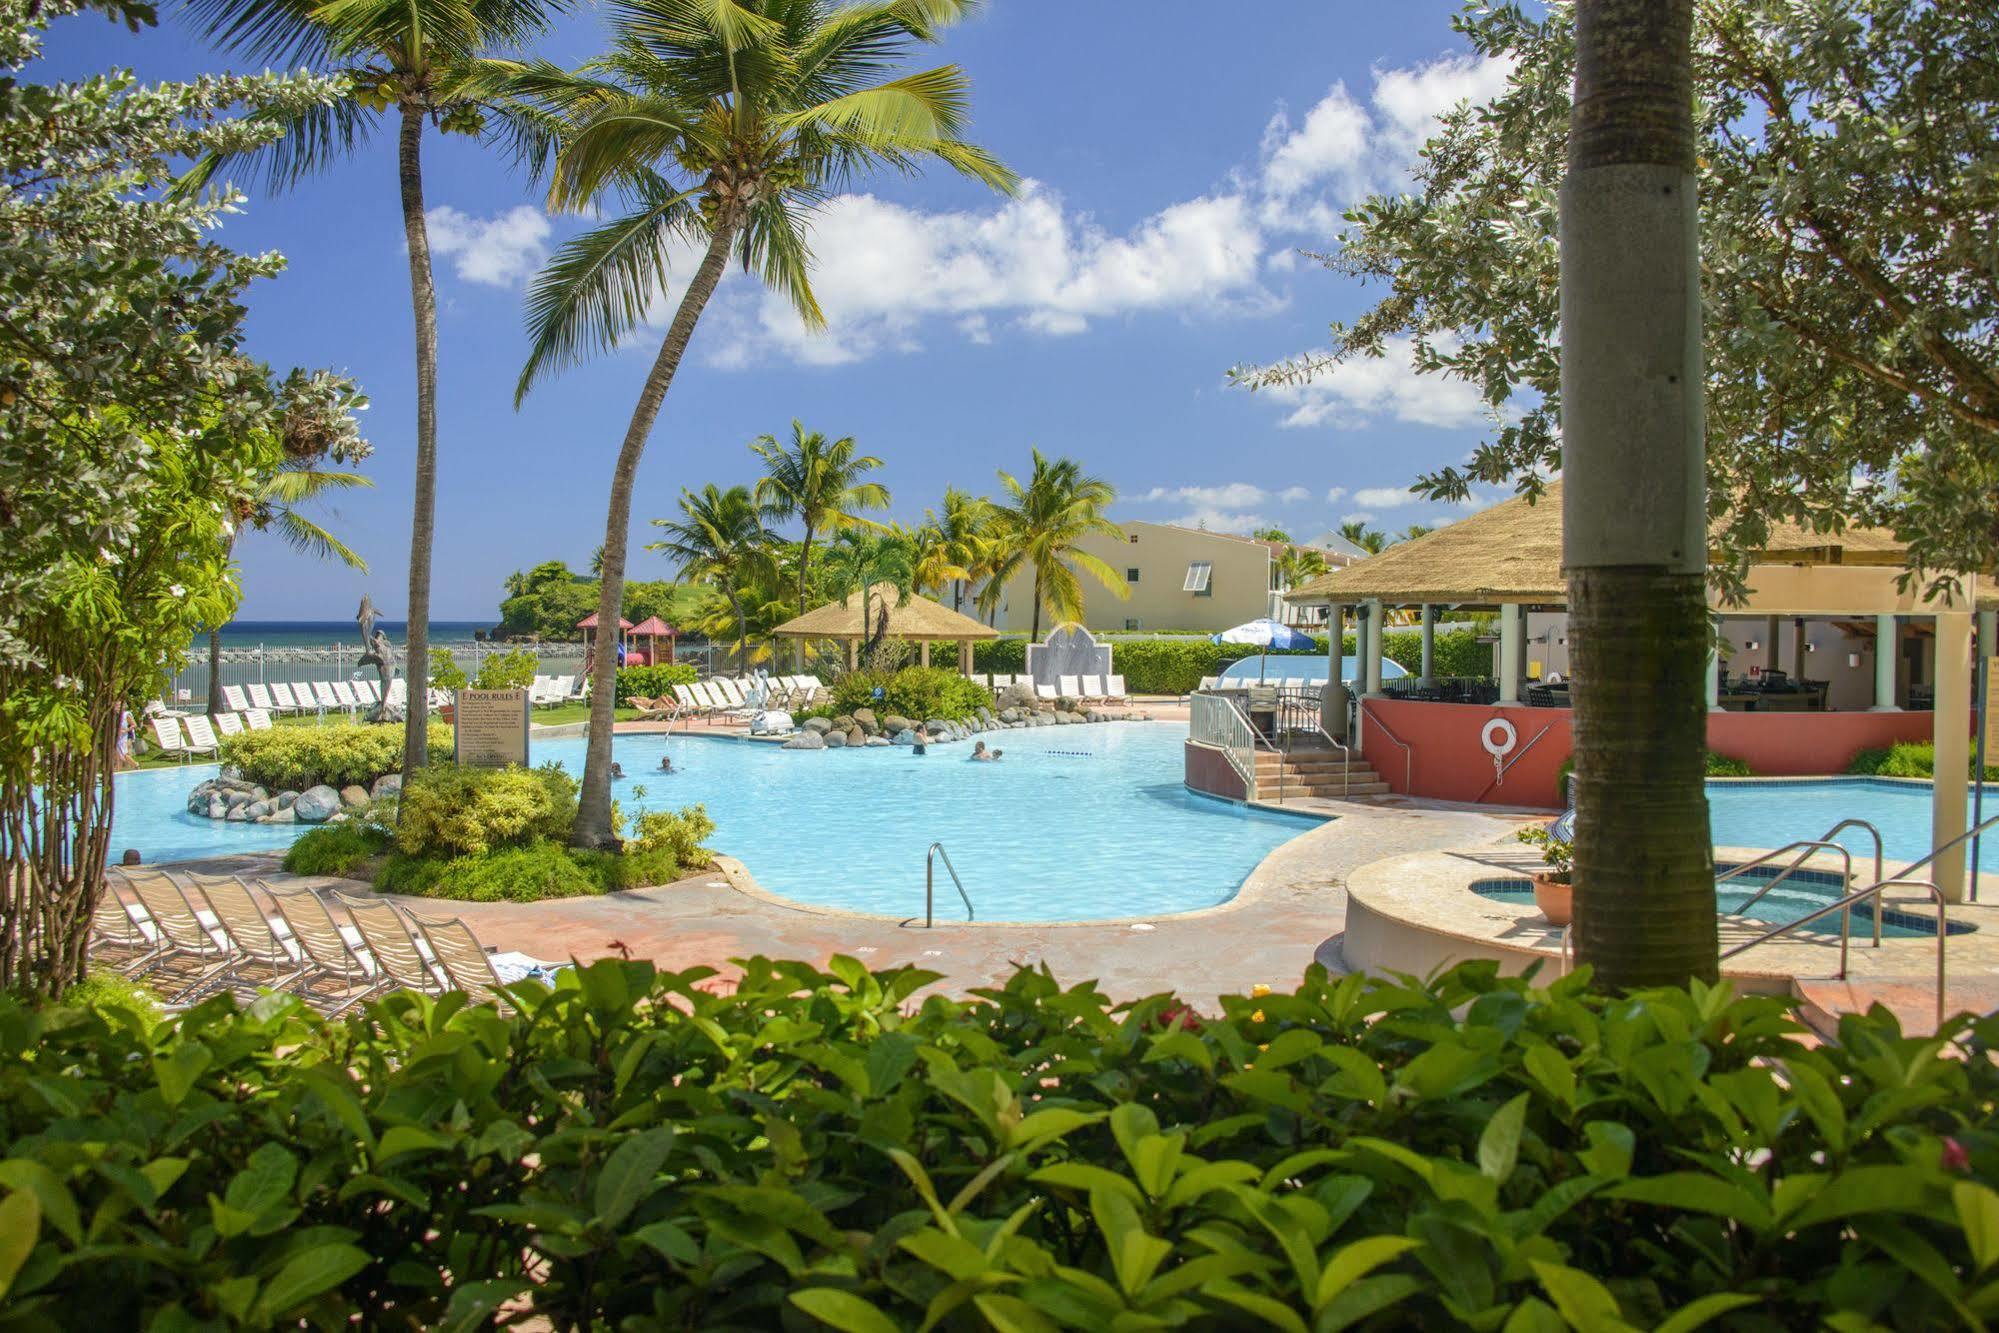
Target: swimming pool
{"points": [[1769, 814], [1074, 824]]}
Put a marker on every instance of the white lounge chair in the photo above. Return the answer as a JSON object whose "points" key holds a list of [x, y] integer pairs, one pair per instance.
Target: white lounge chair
{"points": [[1114, 688], [256, 719], [260, 697], [1069, 687], [343, 694], [558, 692], [368, 691], [234, 699], [323, 696], [282, 698], [466, 965], [399, 694], [201, 736], [302, 917], [1208, 683], [1093, 687], [385, 933], [1046, 692], [182, 936], [166, 735], [228, 724]]}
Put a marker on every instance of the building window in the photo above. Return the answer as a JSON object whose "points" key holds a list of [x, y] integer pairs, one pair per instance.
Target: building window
{"points": [[1134, 539], [1131, 622], [1198, 574], [1131, 574]]}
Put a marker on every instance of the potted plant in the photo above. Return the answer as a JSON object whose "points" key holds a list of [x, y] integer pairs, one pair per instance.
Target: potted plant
{"points": [[1554, 891]]}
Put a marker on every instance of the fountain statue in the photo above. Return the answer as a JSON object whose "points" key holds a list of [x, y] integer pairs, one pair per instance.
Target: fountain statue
{"points": [[380, 654]]}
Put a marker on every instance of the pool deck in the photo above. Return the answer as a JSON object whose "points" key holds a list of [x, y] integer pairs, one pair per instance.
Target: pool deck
{"points": [[1291, 910]]}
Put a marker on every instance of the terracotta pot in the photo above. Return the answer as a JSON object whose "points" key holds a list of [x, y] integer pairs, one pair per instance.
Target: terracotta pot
{"points": [[1555, 899]]}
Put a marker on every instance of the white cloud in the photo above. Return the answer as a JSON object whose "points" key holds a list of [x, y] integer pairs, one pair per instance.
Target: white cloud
{"points": [[1214, 519], [1335, 495], [1410, 100], [1293, 494], [1365, 388], [1384, 497], [1331, 144], [499, 251], [1358, 516], [1229, 495]]}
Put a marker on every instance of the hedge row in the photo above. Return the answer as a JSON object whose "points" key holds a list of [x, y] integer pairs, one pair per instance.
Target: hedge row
{"points": [[1176, 666], [817, 1149], [1909, 759], [649, 682], [339, 754]]}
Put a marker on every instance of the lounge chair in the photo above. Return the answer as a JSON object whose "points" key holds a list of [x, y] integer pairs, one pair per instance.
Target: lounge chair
{"points": [[581, 692], [304, 919], [457, 952], [122, 927], [201, 736], [385, 933], [1114, 689], [183, 939], [260, 697], [651, 710], [323, 696], [399, 694], [1093, 687], [257, 720], [684, 702], [166, 735], [1208, 683], [344, 692], [559, 692], [238, 914], [1046, 692], [283, 700], [1068, 687], [368, 691], [228, 724], [233, 698]]}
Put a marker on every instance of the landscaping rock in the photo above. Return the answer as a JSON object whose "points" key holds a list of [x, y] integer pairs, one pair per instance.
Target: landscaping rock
{"points": [[259, 794], [818, 725], [806, 740], [237, 814], [282, 816], [986, 716], [235, 798], [256, 809], [855, 736], [906, 736], [316, 805], [286, 799], [941, 729], [844, 722], [881, 742], [355, 795], [217, 808], [895, 724], [389, 784], [865, 719], [835, 740]]}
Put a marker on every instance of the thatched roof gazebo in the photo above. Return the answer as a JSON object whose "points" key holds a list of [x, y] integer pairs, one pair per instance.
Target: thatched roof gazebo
{"points": [[917, 620]]}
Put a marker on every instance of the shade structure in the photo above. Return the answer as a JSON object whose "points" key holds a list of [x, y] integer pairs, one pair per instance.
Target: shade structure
{"points": [[916, 619], [652, 627], [590, 622], [1267, 633]]}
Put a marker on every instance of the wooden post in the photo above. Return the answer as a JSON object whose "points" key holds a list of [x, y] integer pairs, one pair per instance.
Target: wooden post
{"points": [[923, 653]]}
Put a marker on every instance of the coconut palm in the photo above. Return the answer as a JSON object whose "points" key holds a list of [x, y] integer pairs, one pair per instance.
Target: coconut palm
{"points": [[719, 540], [1040, 526], [821, 484], [964, 528], [1415, 530], [931, 557], [1644, 861], [862, 560], [428, 62], [1360, 534], [718, 125]]}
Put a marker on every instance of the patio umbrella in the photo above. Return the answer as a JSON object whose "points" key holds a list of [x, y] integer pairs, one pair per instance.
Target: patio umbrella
{"points": [[1267, 634]]}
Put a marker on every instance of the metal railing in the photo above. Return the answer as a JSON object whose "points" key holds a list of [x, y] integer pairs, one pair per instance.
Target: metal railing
{"points": [[1408, 755], [1214, 719], [930, 884], [1301, 712], [1805, 848], [1845, 908]]}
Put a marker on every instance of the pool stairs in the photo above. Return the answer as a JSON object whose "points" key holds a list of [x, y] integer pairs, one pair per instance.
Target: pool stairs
{"points": [[1320, 772]]}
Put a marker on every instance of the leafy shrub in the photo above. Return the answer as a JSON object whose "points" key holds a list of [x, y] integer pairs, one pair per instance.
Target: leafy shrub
{"points": [[445, 673], [1908, 759], [1558, 854], [524, 874], [511, 670], [450, 811], [636, 1150], [337, 849], [920, 693], [680, 834], [649, 682], [1726, 766], [340, 754]]}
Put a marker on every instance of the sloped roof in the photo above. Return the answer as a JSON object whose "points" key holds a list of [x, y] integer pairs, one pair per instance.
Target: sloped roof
{"points": [[918, 618]]}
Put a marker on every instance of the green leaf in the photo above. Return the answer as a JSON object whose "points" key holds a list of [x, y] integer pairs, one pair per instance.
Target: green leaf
{"points": [[1611, 1146], [1703, 1309], [264, 1182], [58, 1205], [473, 1304], [842, 1310], [1583, 1301], [1555, 1074], [1270, 1310], [305, 1276], [1978, 1214], [20, 1228], [1355, 1261], [401, 1140], [1499, 1142], [1696, 1193], [669, 1240], [177, 1072], [1135, 1255], [1048, 1126], [630, 1174], [1010, 1314]]}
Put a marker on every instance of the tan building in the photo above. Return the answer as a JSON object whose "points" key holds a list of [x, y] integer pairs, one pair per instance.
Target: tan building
{"points": [[1178, 579]]}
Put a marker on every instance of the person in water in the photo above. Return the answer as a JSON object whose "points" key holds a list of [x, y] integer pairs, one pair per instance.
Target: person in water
{"points": [[980, 754], [666, 763], [922, 740], [617, 771]]}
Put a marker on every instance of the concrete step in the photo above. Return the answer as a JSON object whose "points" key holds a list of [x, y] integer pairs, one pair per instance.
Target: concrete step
{"points": [[1326, 791], [1911, 999]]}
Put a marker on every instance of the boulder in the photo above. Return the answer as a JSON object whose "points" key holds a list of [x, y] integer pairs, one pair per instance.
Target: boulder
{"points": [[1067, 718], [284, 816], [238, 814], [986, 716], [835, 740], [907, 736], [895, 724], [354, 796], [855, 736], [197, 802], [844, 722], [806, 740], [236, 798], [217, 809], [259, 794], [941, 729], [1009, 715], [818, 725], [881, 742], [389, 784], [316, 805], [286, 799], [256, 809], [865, 719]]}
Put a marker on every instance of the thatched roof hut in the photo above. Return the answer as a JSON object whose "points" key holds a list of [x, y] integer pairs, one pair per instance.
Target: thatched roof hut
{"points": [[917, 620]]}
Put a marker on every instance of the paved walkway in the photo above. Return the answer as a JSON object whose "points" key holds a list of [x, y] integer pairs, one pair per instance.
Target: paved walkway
{"points": [[1291, 910]]}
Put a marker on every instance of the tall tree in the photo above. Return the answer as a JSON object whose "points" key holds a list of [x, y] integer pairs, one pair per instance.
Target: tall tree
{"points": [[863, 562], [298, 482], [821, 484], [1040, 526], [931, 556], [1631, 428], [719, 540], [430, 63], [721, 124], [1371, 540], [1851, 304], [964, 525]]}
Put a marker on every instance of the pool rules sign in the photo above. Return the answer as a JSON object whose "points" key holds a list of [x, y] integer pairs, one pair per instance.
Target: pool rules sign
{"points": [[491, 730]]}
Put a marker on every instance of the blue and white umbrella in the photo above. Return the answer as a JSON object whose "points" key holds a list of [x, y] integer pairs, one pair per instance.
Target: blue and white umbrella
{"points": [[1268, 634]]}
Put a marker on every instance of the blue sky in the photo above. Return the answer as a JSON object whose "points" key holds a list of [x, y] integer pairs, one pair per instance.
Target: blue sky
{"points": [[1177, 165]]}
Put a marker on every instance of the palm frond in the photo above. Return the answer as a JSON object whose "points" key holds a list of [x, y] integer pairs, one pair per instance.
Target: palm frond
{"points": [[280, 32], [311, 139], [302, 534]]}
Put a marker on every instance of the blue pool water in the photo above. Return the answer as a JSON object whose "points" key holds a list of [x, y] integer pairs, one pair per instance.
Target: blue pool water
{"points": [[1770, 814], [1800, 895], [1075, 823]]}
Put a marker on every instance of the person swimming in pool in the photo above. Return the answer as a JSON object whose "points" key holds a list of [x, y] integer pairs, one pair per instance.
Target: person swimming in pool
{"points": [[922, 740], [981, 755], [666, 763], [617, 771]]}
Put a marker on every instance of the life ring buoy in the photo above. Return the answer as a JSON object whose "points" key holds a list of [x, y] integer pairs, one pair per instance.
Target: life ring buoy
{"points": [[1498, 737]]}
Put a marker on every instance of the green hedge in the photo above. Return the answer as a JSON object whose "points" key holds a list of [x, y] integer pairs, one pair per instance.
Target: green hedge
{"points": [[918, 693], [1910, 759], [339, 754], [1176, 666], [649, 682], [636, 1150]]}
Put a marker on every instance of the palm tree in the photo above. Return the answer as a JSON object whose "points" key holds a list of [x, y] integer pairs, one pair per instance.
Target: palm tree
{"points": [[719, 123], [931, 556], [862, 560], [1360, 534], [1040, 526], [1415, 530], [428, 60], [719, 540], [964, 528], [1644, 862], [818, 483]]}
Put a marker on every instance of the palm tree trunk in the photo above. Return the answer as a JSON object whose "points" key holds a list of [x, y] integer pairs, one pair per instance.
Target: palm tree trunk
{"points": [[593, 809], [804, 569], [423, 511], [742, 631], [1034, 634], [1632, 430], [215, 670]]}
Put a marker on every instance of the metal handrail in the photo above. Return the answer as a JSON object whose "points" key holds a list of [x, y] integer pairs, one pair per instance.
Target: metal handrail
{"points": [[1845, 907], [1408, 755], [1243, 737], [1308, 711], [1822, 842], [930, 884]]}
